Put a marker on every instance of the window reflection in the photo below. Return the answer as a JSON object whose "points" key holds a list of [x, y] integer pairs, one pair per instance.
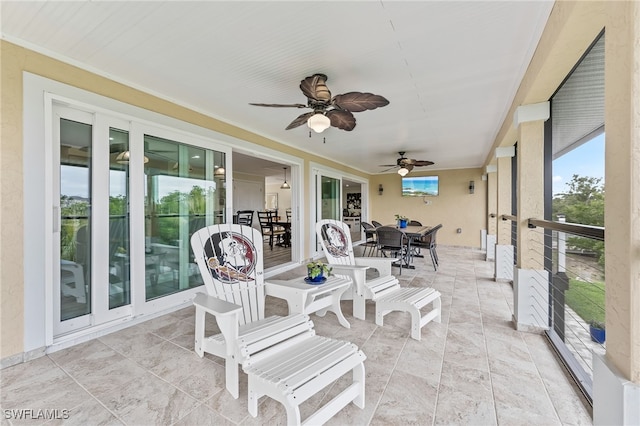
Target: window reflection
{"points": [[75, 210], [183, 194], [119, 270]]}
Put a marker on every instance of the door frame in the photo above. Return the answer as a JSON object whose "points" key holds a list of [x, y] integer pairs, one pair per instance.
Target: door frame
{"points": [[316, 169]]}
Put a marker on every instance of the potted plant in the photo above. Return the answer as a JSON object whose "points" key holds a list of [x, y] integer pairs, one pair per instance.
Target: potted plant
{"points": [[402, 221], [316, 272], [597, 331]]}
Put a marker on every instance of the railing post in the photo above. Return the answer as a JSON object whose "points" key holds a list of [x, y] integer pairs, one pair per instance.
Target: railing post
{"points": [[560, 283]]}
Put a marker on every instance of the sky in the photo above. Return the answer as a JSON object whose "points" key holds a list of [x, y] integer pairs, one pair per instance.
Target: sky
{"points": [[586, 160]]}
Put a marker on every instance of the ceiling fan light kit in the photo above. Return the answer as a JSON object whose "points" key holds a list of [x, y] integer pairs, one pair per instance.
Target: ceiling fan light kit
{"points": [[319, 122], [403, 171], [124, 156], [336, 111]]}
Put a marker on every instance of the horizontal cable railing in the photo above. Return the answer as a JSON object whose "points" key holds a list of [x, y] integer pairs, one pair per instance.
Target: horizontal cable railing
{"points": [[571, 257]]}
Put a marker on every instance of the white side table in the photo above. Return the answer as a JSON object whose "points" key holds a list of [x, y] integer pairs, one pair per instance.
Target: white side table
{"points": [[308, 298]]}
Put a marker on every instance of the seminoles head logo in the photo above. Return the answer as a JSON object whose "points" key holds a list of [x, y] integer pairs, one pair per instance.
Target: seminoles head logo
{"points": [[231, 257], [335, 240]]}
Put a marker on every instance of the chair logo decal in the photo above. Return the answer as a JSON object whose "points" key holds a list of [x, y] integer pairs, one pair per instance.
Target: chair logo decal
{"points": [[335, 240], [231, 257]]}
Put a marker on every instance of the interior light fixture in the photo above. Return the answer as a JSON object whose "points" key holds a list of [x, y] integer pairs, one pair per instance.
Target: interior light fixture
{"points": [[123, 158], [403, 171], [219, 171], [285, 185], [318, 122]]}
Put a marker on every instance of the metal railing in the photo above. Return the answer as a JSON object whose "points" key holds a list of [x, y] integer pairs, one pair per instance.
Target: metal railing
{"points": [[574, 285]]}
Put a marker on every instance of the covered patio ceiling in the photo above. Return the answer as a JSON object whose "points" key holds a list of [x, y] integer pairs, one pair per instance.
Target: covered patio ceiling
{"points": [[449, 69]]}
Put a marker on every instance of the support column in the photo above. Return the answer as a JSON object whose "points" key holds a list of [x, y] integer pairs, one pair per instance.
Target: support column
{"points": [[531, 281], [504, 248], [492, 208], [616, 376]]}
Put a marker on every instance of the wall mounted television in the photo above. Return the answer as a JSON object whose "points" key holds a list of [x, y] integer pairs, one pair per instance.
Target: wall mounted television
{"points": [[420, 186]]}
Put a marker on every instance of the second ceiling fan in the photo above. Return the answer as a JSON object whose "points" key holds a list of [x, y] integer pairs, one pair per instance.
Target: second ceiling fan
{"points": [[406, 164], [328, 111]]}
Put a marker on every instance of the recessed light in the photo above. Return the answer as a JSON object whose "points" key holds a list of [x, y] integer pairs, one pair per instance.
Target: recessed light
{"points": [[196, 156]]}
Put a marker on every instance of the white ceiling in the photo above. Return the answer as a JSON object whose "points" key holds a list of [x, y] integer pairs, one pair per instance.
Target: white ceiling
{"points": [[449, 69]]}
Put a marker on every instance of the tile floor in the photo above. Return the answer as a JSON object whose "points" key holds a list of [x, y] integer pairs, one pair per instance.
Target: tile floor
{"points": [[473, 368]]}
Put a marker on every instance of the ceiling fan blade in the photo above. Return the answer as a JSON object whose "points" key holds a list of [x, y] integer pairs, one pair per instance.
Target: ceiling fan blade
{"points": [[300, 120], [358, 101], [280, 105], [422, 163], [386, 170], [314, 88], [342, 119]]}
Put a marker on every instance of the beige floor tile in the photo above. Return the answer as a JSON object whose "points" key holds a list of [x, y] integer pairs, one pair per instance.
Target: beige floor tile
{"points": [[149, 400], [473, 368], [407, 399]]}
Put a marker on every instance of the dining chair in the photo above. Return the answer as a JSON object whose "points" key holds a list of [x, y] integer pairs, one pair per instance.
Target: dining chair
{"points": [[428, 242], [376, 224], [414, 223], [245, 217], [370, 245], [392, 242], [282, 356], [269, 228]]}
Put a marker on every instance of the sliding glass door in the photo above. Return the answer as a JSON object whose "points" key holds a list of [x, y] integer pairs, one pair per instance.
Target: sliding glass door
{"points": [[126, 200]]}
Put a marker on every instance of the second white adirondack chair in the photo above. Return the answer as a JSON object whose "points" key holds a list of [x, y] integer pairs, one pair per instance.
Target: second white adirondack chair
{"points": [[282, 356], [385, 290]]}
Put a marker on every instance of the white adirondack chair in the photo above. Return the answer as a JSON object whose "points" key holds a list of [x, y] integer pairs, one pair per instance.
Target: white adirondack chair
{"points": [[384, 290], [282, 356]]}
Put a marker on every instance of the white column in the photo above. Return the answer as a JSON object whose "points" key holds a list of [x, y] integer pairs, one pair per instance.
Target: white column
{"points": [[504, 249], [492, 199], [616, 377], [531, 281]]}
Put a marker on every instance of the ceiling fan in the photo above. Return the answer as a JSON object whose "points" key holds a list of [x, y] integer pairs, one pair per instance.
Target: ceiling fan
{"points": [[406, 164], [329, 111]]}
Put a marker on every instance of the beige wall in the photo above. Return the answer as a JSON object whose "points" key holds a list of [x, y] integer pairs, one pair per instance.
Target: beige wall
{"points": [[453, 208]]}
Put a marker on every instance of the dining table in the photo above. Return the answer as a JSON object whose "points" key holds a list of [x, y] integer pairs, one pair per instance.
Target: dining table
{"points": [[413, 232]]}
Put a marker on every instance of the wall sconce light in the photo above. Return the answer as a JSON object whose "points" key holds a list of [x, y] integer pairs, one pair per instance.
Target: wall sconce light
{"points": [[380, 189], [472, 187]]}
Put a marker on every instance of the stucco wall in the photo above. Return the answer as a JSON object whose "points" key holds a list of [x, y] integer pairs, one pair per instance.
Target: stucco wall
{"points": [[454, 207]]}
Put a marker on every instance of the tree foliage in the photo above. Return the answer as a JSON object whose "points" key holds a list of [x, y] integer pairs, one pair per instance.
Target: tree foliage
{"points": [[583, 203]]}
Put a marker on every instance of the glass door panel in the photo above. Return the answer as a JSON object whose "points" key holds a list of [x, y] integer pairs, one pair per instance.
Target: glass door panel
{"points": [[328, 201], [119, 247], [75, 147], [185, 191], [330, 198]]}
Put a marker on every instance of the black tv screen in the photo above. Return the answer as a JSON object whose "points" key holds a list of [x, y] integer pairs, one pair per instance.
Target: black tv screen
{"points": [[420, 186]]}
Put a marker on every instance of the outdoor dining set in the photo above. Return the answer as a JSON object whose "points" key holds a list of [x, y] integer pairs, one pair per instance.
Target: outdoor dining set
{"points": [[283, 356], [406, 242]]}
